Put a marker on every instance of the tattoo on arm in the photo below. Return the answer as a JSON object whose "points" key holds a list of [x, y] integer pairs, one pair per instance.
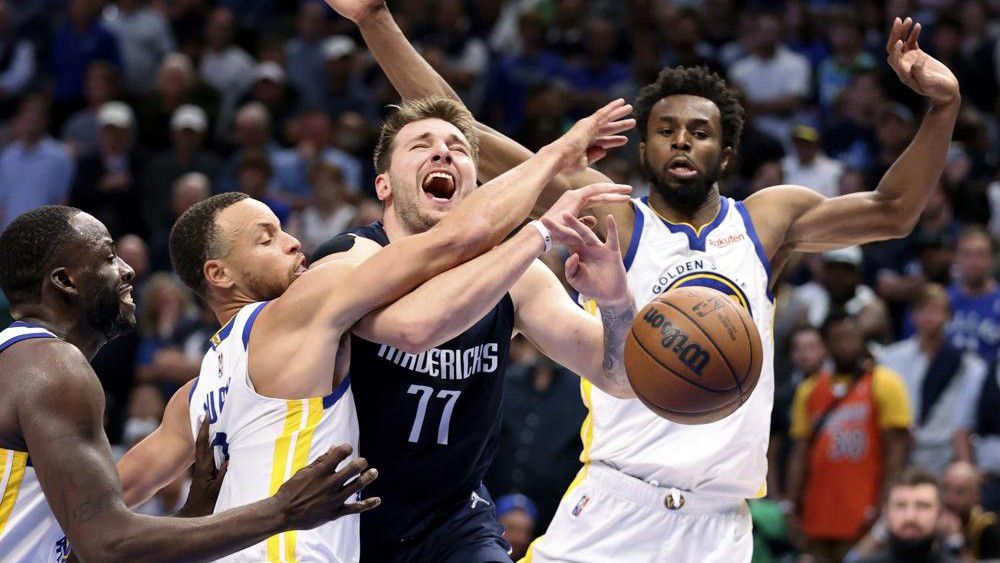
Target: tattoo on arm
{"points": [[617, 322], [91, 508]]}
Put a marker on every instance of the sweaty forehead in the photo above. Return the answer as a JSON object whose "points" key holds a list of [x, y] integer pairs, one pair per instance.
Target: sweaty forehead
{"points": [[683, 108], [89, 231], [242, 218], [432, 127]]}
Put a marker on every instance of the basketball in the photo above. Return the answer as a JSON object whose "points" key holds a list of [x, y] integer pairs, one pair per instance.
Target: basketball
{"points": [[693, 355]]}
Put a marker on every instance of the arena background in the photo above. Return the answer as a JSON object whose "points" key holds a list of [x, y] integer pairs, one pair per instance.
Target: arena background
{"points": [[134, 110]]}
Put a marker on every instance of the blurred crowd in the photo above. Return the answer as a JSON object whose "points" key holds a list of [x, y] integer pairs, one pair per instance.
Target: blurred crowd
{"points": [[134, 110]]}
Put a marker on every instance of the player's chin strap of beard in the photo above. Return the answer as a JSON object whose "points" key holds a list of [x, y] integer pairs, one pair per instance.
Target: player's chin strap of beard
{"points": [[917, 550]]}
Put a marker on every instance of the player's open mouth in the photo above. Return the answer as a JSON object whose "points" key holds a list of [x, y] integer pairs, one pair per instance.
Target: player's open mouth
{"points": [[682, 168], [439, 186], [125, 296]]}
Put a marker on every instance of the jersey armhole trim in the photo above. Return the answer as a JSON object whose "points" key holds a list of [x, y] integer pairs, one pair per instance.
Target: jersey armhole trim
{"points": [[193, 387], [23, 337], [336, 394], [761, 255], [633, 245], [249, 324]]}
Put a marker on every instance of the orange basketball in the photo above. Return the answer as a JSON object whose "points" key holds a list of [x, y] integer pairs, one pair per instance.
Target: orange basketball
{"points": [[693, 355]]}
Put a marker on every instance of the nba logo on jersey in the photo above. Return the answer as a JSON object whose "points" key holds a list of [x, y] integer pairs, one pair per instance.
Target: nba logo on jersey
{"points": [[580, 505]]}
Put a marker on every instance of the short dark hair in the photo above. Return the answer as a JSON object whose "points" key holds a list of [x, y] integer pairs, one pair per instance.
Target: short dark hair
{"points": [[836, 316], [799, 329], [194, 239], [913, 476], [433, 107], [694, 81], [27, 248]]}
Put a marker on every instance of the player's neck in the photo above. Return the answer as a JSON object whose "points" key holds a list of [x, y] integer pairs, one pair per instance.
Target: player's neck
{"points": [[76, 332], [704, 214], [393, 227]]}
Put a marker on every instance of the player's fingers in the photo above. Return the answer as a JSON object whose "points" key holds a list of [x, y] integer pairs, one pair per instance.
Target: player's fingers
{"points": [[361, 482], [361, 506], [329, 461], [612, 230], [585, 233], [589, 220], [607, 198], [911, 43], [572, 266], [619, 111], [202, 449], [221, 473], [608, 108], [594, 153], [616, 127], [611, 141], [561, 233], [893, 35]]}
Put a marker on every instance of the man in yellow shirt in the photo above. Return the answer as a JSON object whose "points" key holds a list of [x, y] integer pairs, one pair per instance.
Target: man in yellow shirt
{"points": [[851, 432]]}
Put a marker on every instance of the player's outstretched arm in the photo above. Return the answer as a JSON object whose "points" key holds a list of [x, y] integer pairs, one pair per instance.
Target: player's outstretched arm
{"points": [[479, 222], [451, 302], [795, 218], [60, 409], [413, 77], [160, 458], [587, 345]]}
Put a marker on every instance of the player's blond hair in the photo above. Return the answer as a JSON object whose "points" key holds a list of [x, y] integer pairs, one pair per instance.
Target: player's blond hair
{"points": [[434, 107]]}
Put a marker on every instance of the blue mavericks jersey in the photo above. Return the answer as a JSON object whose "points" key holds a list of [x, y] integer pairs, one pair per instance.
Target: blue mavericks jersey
{"points": [[430, 422], [975, 322]]}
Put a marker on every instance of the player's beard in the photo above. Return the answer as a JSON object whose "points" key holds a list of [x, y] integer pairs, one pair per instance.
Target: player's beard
{"points": [[685, 196], [106, 313], [266, 289], [411, 216]]}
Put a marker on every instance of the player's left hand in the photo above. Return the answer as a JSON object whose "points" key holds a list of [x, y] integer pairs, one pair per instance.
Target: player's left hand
{"points": [[923, 73], [206, 481], [595, 267]]}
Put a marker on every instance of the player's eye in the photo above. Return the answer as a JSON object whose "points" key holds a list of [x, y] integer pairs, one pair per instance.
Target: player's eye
{"points": [[700, 135], [460, 149], [419, 146], [666, 132]]}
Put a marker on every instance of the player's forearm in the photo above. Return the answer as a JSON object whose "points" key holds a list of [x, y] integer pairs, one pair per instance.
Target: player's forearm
{"points": [[409, 73], [617, 321], [796, 471], [137, 537], [904, 188], [895, 445], [450, 303]]}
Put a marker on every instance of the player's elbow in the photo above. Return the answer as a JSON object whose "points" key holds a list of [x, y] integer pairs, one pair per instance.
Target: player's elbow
{"points": [[895, 218], [416, 336]]}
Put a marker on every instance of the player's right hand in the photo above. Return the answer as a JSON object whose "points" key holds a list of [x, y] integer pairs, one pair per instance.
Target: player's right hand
{"points": [[319, 493], [575, 201], [355, 10], [590, 138]]}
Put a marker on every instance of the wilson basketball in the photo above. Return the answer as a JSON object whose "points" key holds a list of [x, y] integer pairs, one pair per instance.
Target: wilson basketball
{"points": [[693, 355]]}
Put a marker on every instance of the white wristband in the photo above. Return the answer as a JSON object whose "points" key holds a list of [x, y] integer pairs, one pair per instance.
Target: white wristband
{"points": [[546, 235]]}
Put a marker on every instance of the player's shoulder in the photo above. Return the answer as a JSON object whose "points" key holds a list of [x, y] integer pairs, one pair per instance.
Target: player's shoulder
{"points": [[47, 367], [781, 198]]}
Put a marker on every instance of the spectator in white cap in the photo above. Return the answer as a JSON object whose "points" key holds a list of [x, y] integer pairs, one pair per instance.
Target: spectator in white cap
{"points": [[177, 84], [188, 126], [270, 87], [838, 287], [344, 91], [106, 182], [185, 191], [304, 52]]}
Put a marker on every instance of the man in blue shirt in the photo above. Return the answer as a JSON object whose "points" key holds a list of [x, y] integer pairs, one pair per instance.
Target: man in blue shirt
{"points": [[974, 295]]}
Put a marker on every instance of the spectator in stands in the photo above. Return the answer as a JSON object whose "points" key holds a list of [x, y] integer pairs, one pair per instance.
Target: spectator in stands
{"points": [[255, 174], [313, 143], [518, 73], [540, 433], [937, 376], [975, 297], [145, 410], [965, 526], [809, 166], [851, 430], [977, 56], [894, 128], [846, 59], [17, 63], [684, 43], [225, 66], [331, 211], [251, 133], [176, 85], [567, 34], [81, 130], [304, 52], [145, 38], [106, 183], [462, 59], [188, 126], [166, 315], [517, 514], [775, 79], [839, 287], [82, 40], [343, 90], [186, 191], [598, 76], [270, 88], [35, 169], [849, 130], [912, 509]]}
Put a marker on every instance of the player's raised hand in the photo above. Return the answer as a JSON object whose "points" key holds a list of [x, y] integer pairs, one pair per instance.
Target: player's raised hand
{"points": [[207, 480], [590, 138], [355, 10], [572, 202], [923, 73], [319, 493], [594, 268]]}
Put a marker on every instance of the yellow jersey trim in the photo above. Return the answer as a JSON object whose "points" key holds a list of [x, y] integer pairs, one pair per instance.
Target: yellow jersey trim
{"points": [[11, 474]]}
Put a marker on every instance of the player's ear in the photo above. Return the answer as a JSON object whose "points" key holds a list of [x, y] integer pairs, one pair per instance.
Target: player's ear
{"points": [[727, 155], [61, 280], [217, 275], [382, 187]]}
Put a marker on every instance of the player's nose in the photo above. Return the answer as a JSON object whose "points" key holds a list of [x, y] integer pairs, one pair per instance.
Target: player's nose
{"points": [[125, 272]]}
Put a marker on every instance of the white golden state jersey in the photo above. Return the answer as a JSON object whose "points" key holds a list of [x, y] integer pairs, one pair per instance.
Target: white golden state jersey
{"points": [[267, 440], [727, 457], [29, 531]]}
